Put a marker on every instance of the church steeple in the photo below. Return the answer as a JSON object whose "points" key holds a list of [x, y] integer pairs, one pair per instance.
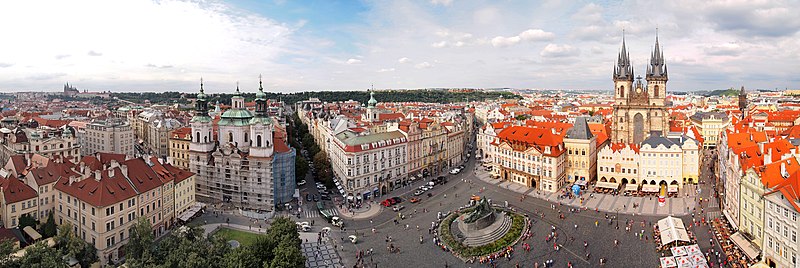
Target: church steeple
{"points": [[201, 105], [743, 102], [261, 100], [623, 70], [657, 68]]}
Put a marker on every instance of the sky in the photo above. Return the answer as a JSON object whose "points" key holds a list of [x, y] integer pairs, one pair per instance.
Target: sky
{"points": [[163, 45]]}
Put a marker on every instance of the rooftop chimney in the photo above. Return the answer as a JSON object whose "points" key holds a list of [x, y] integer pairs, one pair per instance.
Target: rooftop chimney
{"points": [[124, 170], [768, 157], [784, 174], [111, 172], [760, 146], [97, 175]]}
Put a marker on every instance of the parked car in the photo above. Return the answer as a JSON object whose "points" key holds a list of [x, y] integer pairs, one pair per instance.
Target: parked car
{"points": [[414, 200], [308, 197], [397, 200], [386, 203], [419, 192], [398, 208], [316, 198], [455, 171], [325, 197]]}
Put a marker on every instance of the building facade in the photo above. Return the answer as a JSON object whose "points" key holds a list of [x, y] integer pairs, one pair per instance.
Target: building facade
{"points": [[529, 156], [108, 136], [45, 141], [581, 147], [369, 165], [179, 142], [710, 125], [238, 169], [639, 109]]}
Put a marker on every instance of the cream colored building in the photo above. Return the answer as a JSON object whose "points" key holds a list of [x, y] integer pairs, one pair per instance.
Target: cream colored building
{"points": [[672, 160], [581, 147], [45, 141], [535, 158], [184, 193], [368, 165], [619, 163], [710, 124], [16, 199], [179, 147], [108, 136], [781, 248]]}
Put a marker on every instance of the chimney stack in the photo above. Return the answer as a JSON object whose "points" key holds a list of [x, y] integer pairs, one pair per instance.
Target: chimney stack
{"points": [[111, 172], [124, 170], [760, 146], [768, 157], [784, 174], [97, 175]]}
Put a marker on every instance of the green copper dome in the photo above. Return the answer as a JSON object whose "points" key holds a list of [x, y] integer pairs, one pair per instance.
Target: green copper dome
{"points": [[372, 101], [237, 114]]}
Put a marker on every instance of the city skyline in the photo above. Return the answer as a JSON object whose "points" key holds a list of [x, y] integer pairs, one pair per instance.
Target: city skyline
{"points": [[323, 45]]}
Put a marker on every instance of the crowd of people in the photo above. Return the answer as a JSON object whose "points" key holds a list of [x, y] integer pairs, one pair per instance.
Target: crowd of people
{"points": [[734, 257]]}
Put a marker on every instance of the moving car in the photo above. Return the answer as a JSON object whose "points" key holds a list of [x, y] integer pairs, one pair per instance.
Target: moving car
{"points": [[455, 171], [417, 193], [414, 200], [397, 200], [398, 208]]}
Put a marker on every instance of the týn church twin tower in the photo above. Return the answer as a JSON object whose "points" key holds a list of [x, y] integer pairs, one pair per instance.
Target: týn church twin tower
{"points": [[639, 110]]}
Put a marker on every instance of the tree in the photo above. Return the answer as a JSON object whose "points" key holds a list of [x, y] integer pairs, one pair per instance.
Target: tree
{"points": [[322, 166], [6, 248], [242, 257], [71, 245], [40, 255], [300, 167], [27, 220], [287, 255], [49, 228], [140, 240]]}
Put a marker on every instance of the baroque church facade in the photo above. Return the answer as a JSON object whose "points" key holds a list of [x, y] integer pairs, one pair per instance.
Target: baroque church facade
{"points": [[639, 110], [238, 160]]}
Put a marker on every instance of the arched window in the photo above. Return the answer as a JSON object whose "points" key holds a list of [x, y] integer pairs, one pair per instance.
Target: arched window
{"points": [[258, 140], [61, 146], [622, 91], [655, 93], [230, 136], [246, 138], [197, 134]]}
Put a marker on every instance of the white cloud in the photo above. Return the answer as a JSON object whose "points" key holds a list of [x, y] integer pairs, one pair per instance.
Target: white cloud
{"points": [[440, 44], [442, 2], [424, 65], [534, 35], [386, 70], [404, 60], [558, 51], [727, 49], [505, 41], [353, 61], [530, 35]]}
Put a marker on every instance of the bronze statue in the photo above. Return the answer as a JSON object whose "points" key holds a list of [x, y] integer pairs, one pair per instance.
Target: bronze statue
{"points": [[482, 209]]}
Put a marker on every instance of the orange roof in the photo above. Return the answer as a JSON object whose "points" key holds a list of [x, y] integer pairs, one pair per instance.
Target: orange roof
{"points": [[778, 148], [14, 190], [619, 146], [526, 137], [789, 187], [600, 131]]}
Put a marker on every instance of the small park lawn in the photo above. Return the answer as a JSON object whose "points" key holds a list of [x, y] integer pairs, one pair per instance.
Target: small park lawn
{"points": [[244, 238]]}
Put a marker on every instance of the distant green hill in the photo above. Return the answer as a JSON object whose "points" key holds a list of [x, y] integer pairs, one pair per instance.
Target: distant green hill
{"points": [[421, 95], [724, 92]]}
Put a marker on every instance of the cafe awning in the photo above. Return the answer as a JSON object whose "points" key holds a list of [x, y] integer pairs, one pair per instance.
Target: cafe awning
{"points": [[608, 185], [672, 188], [648, 188], [580, 182], [749, 249], [667, 262], [631, 187], [32, 233], [672, 229]]}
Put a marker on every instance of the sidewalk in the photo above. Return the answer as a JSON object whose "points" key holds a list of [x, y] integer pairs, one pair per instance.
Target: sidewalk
{"points": [[357, 214], [210, 228], [676, 206]]}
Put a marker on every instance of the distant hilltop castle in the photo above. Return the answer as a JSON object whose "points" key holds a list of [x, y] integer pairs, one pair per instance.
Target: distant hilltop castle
{"points": [[72, 91]]}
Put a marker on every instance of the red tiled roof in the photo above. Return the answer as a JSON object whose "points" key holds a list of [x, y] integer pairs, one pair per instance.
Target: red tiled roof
{"points": [[142, 176], [619, 146], [790, 187], [105, 192], [280, 145], [532, 137], [14, 190], [105, 158], [390, 116]]}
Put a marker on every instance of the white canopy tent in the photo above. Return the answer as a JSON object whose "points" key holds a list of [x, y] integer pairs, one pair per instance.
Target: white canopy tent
{"points": [[648, 188], [672, 229], [609, 185], [631, 187], [749, 249]]}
